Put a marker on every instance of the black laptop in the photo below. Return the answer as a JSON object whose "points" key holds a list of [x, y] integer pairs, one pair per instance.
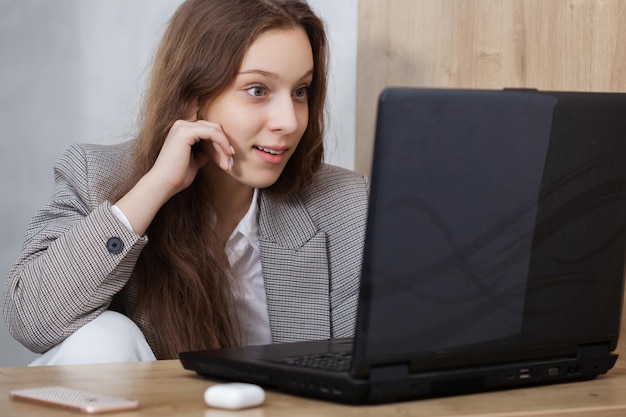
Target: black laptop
{"points": [[494, 253]]}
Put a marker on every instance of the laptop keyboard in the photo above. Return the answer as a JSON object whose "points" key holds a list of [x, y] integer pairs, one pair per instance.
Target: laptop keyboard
{"points": [[330, 361]]}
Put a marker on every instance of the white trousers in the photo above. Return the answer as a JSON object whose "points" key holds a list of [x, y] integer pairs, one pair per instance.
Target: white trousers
{"points": [[110, 337]]}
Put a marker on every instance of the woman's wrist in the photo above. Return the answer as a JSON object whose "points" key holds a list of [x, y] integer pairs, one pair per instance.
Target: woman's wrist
{"points": [[142, 202]]}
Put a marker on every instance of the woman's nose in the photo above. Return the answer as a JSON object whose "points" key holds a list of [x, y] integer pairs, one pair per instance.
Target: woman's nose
{"points": [[284, 114]]}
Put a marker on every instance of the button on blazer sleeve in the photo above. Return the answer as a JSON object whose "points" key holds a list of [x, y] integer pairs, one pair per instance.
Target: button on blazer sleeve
{"points": [[69, 269]]}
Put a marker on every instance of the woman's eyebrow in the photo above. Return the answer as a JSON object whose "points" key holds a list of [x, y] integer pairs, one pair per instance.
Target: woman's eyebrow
{"points": [[259, 72], [270, 74]]}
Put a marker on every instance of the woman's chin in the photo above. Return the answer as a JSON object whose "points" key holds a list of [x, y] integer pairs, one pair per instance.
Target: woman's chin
{"points": [[257, 179]]}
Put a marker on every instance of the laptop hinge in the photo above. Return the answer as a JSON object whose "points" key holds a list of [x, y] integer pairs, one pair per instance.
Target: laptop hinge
{"points": [[389, 382]]}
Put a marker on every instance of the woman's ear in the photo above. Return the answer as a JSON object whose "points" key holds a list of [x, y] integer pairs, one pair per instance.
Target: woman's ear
{"points": [[193, 110]]}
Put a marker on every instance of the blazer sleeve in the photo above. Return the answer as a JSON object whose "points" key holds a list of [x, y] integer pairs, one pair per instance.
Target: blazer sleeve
{"points": [[69, 269]]}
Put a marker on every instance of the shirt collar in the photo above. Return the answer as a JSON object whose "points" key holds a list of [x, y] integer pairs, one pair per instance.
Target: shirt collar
{"points": [[248, 226]]}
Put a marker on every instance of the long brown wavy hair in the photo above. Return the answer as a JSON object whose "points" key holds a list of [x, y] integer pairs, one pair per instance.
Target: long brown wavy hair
{"points": [[184, 298]]}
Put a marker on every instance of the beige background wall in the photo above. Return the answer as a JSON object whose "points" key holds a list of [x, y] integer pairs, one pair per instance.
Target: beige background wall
{"points": [[544, 44]]}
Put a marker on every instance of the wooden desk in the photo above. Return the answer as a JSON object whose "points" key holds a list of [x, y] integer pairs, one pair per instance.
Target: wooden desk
{"points": [[164, 388]]}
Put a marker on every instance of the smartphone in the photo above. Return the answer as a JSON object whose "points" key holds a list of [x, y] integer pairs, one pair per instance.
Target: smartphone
{"points": [[73, 399]]}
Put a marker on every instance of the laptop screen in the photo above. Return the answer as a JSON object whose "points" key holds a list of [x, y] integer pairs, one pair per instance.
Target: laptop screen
{"points": [[496, 229]]}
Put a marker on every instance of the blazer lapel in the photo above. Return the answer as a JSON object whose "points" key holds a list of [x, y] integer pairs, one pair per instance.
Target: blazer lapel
{"points": [[295, 270]]}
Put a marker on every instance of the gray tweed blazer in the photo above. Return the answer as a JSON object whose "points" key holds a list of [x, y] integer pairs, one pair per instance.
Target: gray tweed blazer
{"points": [[310, 245]]}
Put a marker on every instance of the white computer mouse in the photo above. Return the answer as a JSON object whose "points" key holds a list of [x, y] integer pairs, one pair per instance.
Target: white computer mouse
{"points": [[234, 396]]}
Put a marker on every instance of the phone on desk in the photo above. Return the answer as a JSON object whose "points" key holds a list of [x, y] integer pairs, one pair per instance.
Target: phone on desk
{"points": [[73, 399]]}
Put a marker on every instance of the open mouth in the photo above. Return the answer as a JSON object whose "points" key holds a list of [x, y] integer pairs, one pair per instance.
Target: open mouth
{"points": [[270, 151]]}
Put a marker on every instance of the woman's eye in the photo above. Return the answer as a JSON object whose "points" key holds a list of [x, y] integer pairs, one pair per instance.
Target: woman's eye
{"points": [[256, 91], [301, 92]]}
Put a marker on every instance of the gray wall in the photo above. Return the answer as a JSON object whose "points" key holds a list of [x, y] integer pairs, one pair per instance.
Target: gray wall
{"points": [[73, 71]]}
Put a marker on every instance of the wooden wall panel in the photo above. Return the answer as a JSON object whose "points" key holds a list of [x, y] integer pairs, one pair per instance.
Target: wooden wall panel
{"points": [[545, 44]]}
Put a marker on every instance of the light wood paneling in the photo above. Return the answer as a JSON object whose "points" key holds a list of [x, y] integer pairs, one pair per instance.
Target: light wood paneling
{"points": [[545, 44]]}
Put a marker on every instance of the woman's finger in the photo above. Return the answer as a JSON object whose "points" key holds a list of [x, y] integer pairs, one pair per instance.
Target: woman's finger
{"points": [[221, 144]]}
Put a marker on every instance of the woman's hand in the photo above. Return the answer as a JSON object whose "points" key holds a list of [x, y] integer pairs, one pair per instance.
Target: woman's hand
{"points": [[188, 146]]}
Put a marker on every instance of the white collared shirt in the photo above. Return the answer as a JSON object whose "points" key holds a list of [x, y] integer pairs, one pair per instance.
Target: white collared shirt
{"points": [[242, 251]]}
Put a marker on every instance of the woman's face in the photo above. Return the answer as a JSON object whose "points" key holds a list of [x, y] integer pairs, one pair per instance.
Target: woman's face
{"points": [[265, 112]]}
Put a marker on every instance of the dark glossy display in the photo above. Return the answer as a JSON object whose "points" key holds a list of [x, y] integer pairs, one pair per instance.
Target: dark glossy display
{"points": [[496, 223]]}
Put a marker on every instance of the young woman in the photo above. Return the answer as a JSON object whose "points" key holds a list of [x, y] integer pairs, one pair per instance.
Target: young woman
{"points": [[217, 226]]}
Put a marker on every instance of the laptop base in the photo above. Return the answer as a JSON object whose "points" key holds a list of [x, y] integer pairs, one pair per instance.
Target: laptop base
{"points": [[395, 383]]}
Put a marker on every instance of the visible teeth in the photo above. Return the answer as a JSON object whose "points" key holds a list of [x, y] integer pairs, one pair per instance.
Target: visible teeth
{"points": [[272, 151]]}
